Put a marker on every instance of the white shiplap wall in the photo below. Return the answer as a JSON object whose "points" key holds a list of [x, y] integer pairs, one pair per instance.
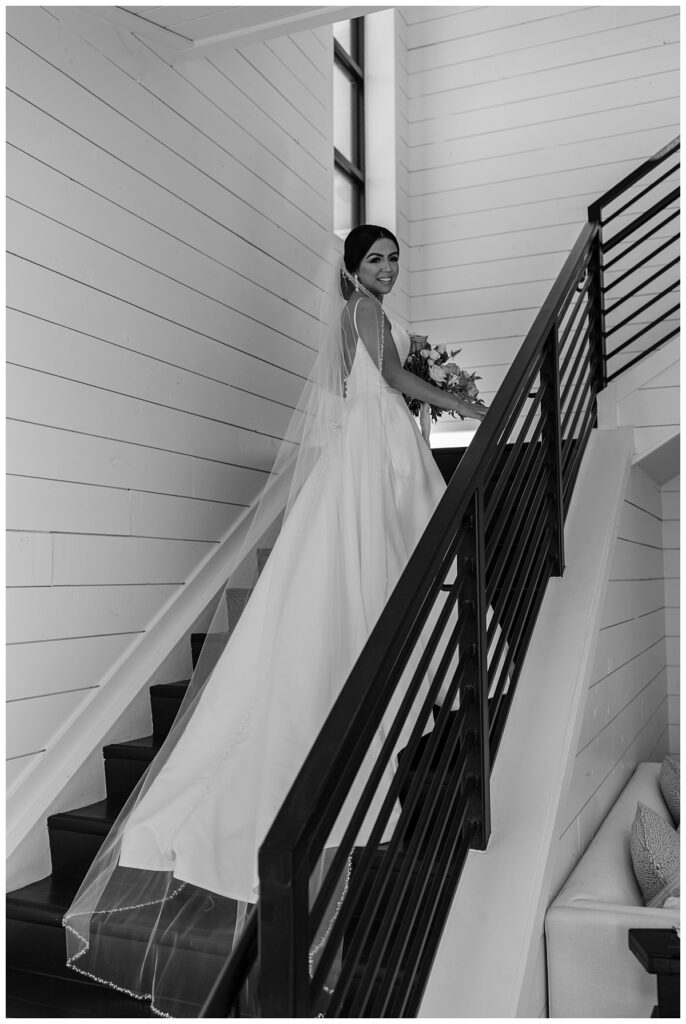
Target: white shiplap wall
{"points": [[671, 541], [519, 117], [164, 229], [626, 711]]}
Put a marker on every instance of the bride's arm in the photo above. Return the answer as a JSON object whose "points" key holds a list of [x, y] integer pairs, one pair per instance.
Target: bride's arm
{"points": [[369, 326]]}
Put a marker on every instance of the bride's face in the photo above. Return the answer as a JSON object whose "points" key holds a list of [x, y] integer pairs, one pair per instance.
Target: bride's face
{"points": [[379, 268]]}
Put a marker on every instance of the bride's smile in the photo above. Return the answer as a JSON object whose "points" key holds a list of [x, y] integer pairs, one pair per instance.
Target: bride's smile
{"points": [[379, 268]]}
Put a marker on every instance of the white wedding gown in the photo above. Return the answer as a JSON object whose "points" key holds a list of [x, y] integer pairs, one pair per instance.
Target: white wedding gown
{"points": [[337, 558]]}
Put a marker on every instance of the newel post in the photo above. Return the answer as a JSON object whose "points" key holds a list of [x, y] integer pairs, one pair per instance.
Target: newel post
{"points": [[284, 979], [552, 438], [476, 645]]}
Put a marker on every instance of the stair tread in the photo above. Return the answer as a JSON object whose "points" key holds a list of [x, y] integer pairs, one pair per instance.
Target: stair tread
{"points": [[95, 819], [175, 690], [27, 991], [143, 748], [44, 901]]}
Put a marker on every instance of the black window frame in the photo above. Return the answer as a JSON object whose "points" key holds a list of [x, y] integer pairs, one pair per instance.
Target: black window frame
{"points": [[352, 66]]}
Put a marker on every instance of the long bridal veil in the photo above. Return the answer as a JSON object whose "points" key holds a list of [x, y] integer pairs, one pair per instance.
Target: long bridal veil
{"points": [[143, 923]]}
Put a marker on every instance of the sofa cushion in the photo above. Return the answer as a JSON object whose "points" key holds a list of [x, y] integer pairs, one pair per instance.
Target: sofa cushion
{"points": [[669, 785], [605, 871], [655, 855]]}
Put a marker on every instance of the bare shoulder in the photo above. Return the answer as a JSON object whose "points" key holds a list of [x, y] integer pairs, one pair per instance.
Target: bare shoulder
{"points": [[364, 308]]}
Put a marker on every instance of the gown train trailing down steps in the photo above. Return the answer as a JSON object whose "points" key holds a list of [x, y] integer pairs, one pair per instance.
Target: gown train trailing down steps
{"points": [[179, 869]]}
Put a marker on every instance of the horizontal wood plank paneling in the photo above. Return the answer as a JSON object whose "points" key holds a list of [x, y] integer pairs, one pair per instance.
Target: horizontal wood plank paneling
{"points": [[166, 228], [55, 613], [671, 515], [50, 506], [38, 668], [625, 718], [32, 722], [518, 118], [91, 559], [28, 560]]}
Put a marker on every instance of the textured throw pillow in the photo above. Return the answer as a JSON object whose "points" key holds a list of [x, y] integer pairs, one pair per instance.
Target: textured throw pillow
{"points": [[655, 855], [669, 784]]}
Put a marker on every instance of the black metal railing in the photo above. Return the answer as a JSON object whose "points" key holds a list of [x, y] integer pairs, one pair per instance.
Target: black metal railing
{"points": [[361, 864], [637, 260]]}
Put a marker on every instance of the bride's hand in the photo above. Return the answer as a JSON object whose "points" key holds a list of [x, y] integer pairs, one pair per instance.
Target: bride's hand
{"points": [[478, 411]]}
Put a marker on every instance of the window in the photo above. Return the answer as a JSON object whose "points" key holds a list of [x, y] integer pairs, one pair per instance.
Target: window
{"points": [[348, 103]]}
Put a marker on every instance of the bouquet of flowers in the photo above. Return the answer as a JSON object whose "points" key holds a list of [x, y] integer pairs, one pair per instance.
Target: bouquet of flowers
{"points": [[436, 366]]}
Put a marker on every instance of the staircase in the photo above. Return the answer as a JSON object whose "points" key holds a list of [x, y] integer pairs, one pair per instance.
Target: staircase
{"points": [[39, 984], [501, 524]]}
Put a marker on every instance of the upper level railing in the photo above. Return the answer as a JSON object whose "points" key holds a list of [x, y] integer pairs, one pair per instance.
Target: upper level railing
{"points": [[637, 262], [416, 728]]}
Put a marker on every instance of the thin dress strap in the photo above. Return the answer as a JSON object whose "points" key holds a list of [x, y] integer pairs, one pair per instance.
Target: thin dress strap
{"points": [[357, 330]]}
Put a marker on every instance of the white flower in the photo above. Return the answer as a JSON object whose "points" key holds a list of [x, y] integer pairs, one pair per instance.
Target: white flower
{"points": [[433, 355], [438, 374]]}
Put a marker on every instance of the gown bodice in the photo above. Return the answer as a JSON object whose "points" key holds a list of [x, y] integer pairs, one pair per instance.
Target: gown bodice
{"points": [[364, 374]]}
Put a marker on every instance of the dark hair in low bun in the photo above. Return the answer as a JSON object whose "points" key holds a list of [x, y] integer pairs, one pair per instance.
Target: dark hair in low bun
{"points": [[357, 244]]}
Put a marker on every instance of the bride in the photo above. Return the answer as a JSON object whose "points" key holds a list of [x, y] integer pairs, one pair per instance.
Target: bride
{"points": [[352, 490]]}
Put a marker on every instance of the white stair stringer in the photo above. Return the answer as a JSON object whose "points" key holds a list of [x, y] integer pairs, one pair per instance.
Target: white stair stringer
{"points": [[495, 925], [646, 397]]}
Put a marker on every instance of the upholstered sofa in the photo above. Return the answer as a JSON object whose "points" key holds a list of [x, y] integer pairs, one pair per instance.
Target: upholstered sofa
{"points": [[591, 971]]}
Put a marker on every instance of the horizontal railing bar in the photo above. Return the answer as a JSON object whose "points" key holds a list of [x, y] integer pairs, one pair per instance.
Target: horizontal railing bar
{"points": [[581, 295], [501, 713], [530, 465], [568, 389], [513, 456], [644, 192], [574, 387], [397, 895], [579, 286], [569, 355], [643, 284], [648, 165], [642, 354], [567, 456], [511, 628], [425, 941], [524, 540], [450, 818], [580, 308], [512, 522], [491, 467], [393, 793], [379, 767], [642, 309], [228, 985], [534, 536], [395, 847], [644, 330], [644, 238], [639, 221], [573, 469], [641, 263]]}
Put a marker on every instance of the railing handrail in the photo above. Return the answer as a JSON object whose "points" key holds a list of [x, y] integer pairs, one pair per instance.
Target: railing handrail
{"points": [[640, 172], [357, 713]]}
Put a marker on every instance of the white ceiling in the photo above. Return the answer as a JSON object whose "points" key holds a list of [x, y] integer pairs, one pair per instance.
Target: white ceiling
{"points": [[196, 31]]}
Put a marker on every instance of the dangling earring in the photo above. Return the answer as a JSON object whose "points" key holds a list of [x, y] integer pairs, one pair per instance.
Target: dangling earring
{"points": [[357, 282]]}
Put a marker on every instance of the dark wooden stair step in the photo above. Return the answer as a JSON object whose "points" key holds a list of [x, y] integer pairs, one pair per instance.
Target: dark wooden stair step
{"points": [[125, 763], [165, 701], [36, 938], [76, 836], [40, 995]]}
